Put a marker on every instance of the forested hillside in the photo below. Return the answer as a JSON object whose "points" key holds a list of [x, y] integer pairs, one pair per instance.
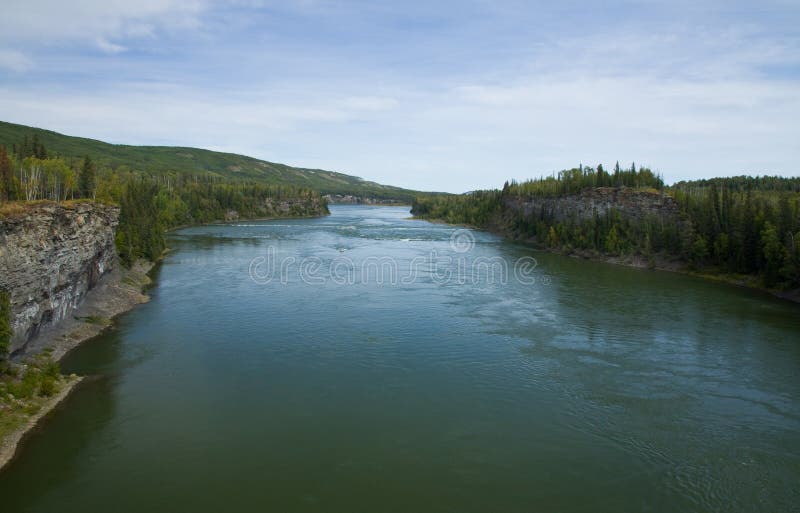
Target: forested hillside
{"points": [[150, 202], [735, 226], [179, 161]]}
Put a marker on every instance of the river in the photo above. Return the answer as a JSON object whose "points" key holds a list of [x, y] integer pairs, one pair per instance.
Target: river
{"points": [[367, 362]]}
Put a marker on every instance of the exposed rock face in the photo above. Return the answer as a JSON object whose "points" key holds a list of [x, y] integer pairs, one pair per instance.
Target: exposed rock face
{"points": [[306, 206], [348, 199], [50, 256], [294, 207], [630, 203]]}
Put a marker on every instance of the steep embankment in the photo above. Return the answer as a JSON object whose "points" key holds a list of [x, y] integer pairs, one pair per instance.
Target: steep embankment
{"points": [[308, 206], [633, 204], [51, 255], [59, 268], [625, 225]]}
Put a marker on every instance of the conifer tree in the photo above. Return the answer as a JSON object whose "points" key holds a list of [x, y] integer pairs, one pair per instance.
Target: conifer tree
{"points": [[86, 178]]}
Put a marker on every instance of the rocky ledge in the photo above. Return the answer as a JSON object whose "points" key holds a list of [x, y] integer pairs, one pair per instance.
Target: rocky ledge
{"points": [[51, 255], [630, 203]]}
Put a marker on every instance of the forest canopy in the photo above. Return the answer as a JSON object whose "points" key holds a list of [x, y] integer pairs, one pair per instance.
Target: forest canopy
{"points": [[150, 203], [739, 225]]}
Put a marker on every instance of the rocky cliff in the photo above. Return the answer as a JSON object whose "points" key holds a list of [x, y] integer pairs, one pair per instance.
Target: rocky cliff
{"points": [[305, 206], [50, 256], [349, 199], [630, 203]]}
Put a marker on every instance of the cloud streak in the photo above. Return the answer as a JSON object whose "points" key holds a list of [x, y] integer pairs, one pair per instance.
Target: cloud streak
{"points": [[452, 96]]}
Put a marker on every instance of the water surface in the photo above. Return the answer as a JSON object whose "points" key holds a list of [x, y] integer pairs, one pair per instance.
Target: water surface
{"points": [[576, 386]]}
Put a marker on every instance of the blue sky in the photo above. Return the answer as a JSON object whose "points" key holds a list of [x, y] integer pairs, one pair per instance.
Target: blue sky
{"points": [[448, 95]]}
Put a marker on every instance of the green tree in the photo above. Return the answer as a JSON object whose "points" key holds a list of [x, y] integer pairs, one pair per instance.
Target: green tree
{"points": [[5, 324], [87, 178], [774, 254], [648, 252], [6, 176], [699, 250], [552, 238], [612, 242]]}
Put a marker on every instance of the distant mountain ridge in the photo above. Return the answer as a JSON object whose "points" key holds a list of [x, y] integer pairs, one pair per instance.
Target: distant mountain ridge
{"points": [[176, 159]]}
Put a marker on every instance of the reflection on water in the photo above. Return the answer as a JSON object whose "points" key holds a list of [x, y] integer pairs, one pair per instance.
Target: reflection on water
{"points": [[591, 388]]}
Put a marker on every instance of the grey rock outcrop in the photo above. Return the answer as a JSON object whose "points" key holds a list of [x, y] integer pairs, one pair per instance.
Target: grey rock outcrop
{"points": [[630, 203], [50, 256]]}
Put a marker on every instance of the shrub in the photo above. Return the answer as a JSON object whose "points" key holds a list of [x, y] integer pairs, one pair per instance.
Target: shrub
{"points": [[5, 324], [47, 387]]}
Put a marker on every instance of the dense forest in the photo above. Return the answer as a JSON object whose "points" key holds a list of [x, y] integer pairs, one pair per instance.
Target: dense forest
{"points": [[160, 160], [740, 225], [150, 203]]}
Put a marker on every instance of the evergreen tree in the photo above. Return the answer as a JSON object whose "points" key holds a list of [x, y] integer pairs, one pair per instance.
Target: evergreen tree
{"points": [[6, 176], [5, 324], [773, 255], [87, 178], [612, 242]]}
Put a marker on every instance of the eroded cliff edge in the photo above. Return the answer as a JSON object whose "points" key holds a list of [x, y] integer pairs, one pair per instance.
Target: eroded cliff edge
{"points": [[629, 203], [51, 255]]}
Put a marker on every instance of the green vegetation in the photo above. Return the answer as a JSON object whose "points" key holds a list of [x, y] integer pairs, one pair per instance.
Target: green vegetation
{"points": [[745, 225], [97, 320], [571, 181], [160, 161], [734, 226], [150, 203], [5, 325], [25, 388]]}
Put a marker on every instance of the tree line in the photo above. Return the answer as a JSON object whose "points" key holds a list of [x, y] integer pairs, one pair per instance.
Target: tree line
{"points": [[571, 181], [149, 203], [31, 175], [740, 225]]}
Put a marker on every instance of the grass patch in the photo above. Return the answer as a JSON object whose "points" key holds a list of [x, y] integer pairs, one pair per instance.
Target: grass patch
{"points": [[25, 388], [97, 320]]}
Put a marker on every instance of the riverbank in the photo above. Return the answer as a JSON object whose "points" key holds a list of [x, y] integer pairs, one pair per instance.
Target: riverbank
{"points": [[20, 416], [117, 292], [657, 263]]}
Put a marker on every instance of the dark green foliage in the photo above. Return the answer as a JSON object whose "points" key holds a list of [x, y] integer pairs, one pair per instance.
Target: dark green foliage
{"points": [[87, 178], [29, 146], [151, 205], [7, 189], [140, 234], [38, 377], [571, 181], [749, 223], [47, 386], [5, 324], [742, 225], [188, 162]]}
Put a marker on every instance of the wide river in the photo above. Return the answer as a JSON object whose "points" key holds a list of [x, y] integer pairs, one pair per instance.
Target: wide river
{"points": [[366, 362]]}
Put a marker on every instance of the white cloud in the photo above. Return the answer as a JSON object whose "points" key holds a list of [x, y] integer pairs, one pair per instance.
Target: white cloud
{"points": [[93, 20], [456, 112], [109, 47], [457, 139], [14, 61], [370, 103]]}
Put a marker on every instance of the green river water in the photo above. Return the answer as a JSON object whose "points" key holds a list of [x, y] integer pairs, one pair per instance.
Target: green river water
{"points": [[366, 362]]}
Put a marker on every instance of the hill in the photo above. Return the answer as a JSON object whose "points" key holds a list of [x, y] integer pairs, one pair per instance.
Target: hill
{"points": [[174, 159]]}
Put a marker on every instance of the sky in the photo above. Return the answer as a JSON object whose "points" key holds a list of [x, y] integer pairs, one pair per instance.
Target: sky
{"points": [[431, 95]]}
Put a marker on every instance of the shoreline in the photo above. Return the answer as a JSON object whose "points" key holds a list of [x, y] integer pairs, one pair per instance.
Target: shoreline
{"points": [[638, 262], [10, 446], [118, 292], [231, 221]]}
